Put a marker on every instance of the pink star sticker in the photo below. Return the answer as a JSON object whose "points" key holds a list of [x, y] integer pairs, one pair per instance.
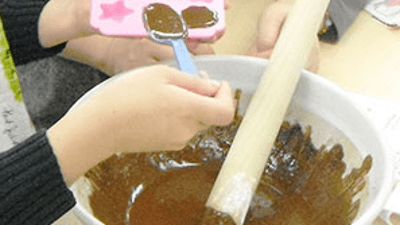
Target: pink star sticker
{"points": [[116, 11], [393, 3]]}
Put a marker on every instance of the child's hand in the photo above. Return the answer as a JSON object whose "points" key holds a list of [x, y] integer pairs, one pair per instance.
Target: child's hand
{"points": [[160, 108], [269, 27], [148, 109]]}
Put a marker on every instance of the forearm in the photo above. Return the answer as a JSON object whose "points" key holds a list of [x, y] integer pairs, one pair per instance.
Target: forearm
{"points": [[37, 29], [81, 139], [62, 20], [20, 21], [91, 50]]}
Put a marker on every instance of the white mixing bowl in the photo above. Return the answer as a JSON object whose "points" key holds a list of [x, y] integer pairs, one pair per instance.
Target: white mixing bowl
{"points": [[333, 116]]}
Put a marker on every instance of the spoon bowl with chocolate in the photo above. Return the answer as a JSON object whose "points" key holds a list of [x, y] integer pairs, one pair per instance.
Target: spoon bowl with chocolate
{"points": [[166, 26], [329, 164]]}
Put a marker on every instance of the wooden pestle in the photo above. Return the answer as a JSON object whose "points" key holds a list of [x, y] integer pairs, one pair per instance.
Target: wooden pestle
{"points": [[246, 160]]}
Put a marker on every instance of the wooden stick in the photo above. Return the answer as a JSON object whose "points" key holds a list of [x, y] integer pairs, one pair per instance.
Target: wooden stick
{"points": [[246, 160]]}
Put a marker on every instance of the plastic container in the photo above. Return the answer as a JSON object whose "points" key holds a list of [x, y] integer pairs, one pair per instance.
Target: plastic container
{"points": [[125, 18]]}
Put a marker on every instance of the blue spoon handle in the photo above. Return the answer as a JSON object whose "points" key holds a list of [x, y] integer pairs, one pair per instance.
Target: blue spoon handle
{"points": [[183, 57]]}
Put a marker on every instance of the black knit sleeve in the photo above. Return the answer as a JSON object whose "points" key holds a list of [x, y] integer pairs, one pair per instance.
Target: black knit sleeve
{"points": [[20, 21], [32, 188]]}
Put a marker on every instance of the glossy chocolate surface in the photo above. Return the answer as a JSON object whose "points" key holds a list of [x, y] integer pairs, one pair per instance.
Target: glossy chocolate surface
{"points": [[301, 184]]}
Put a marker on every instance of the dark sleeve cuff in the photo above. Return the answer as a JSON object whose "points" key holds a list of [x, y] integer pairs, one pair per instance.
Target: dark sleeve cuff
{"points": [[20, 20], [32, 188], [344, 12]]}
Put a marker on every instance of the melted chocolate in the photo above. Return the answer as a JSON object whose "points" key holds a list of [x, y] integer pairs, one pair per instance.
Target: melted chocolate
{"points": [[162, 18], [184, 191], [211, 216], [300, 185], [199, 17]]}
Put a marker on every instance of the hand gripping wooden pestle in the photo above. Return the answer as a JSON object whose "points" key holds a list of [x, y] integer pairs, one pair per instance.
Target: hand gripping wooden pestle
{"points": [[246, 160]]}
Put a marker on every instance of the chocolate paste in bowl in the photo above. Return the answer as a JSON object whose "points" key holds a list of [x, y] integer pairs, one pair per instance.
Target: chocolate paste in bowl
{"points": [[301, 184]]}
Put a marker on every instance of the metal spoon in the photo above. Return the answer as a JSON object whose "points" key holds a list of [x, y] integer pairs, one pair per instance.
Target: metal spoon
{"points": [[166, 26]]}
